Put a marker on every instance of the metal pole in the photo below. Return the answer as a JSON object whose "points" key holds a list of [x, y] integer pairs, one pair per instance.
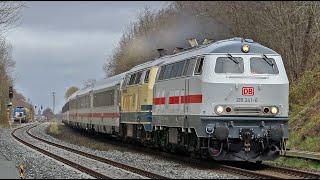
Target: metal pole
{"points": [[53, 102]]}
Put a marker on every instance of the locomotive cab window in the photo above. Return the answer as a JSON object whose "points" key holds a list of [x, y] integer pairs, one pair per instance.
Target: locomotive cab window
{"points": [[161, 75], [167, 71], [189, 66], [126, 81], [263, 66], [229, 65], [132, 79], [199, 65], [146, 77], [138, 77], [177, 69]]}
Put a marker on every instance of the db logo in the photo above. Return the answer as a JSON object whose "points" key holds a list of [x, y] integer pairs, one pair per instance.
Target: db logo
{"points": [[247, 91]]}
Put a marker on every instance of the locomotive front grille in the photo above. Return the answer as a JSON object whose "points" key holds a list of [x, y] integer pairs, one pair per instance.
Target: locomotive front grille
{"points": [[251, 110]]}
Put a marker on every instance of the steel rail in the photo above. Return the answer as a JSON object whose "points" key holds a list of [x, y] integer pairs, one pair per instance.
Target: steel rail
{"points": [[270, 172], [100, 159], [59, 158]]}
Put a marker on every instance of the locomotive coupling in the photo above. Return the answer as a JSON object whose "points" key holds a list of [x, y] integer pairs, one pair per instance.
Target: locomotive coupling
{"points": [[246, 135]]}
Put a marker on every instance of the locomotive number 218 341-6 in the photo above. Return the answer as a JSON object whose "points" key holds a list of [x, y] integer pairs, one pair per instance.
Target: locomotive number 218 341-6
{"points": [[247, 100]]}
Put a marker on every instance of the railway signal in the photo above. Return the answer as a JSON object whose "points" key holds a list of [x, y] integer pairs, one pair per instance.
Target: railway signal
{"points": [[10, 92]]}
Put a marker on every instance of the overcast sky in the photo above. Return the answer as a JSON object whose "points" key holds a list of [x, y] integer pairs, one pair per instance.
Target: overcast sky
{"points": [[60, 44]]}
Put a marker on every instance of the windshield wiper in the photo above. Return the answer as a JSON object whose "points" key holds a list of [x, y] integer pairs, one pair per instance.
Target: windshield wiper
{"points": [[265, 58], [233, 59]]}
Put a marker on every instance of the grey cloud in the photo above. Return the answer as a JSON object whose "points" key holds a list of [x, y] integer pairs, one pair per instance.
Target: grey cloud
{"points": [[60, 44]]}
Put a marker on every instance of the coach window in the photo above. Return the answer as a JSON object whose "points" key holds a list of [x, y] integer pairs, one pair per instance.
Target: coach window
{"points": [[229, 65], [199, 65], [146, 77], [138, 77]]}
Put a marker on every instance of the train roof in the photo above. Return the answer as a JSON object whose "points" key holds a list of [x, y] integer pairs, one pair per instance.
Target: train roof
{"points": [[109, 82], [232, 46], [104, 83]]}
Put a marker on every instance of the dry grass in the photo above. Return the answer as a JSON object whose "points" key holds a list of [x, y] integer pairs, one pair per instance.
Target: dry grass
{"points": [[54, 129], [98, 142]]}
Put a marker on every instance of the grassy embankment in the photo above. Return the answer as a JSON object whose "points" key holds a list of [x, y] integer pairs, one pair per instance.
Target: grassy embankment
{"points": [[304, 119]]}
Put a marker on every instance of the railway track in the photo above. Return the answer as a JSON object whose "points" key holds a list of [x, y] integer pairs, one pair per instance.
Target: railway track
{"points": [[276, 172], [59, 158], [100, 159], [315, 156], [87, 155], [264, 171], [246, 170]]}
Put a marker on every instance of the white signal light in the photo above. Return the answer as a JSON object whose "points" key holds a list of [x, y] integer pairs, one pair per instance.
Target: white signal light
{"points": [[245, 48], [219, 109], [274, 110]]}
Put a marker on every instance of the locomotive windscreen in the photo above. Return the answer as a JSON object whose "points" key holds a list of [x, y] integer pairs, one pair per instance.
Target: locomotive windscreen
{"points": [[226, 65], [263, 66]]}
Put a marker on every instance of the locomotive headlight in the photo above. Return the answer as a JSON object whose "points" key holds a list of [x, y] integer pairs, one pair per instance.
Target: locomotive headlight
{"points": [[274, 110], [245, 48], [219, 109]]}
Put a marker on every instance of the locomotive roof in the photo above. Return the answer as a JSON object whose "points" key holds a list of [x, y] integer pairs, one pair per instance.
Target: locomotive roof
{"points": [[232, 46]]}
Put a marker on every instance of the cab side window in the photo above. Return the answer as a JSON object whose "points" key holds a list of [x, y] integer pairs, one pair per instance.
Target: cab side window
{"points": [[146, 77], [132, 79], [199, 65], [189, 67], [138, 77]]}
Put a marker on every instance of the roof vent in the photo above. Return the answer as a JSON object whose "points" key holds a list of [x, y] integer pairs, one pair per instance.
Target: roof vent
{"points": [[207, 41], [193, 42], [177, 50], [161, 52]]}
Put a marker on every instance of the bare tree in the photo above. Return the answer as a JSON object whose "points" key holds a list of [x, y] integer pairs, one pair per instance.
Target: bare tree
{"points": [[9, 16], [48, 113]]}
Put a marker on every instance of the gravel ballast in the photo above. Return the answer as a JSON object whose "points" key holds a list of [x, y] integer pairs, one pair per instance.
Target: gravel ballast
{"points": [[159, 166], [37, 165]]}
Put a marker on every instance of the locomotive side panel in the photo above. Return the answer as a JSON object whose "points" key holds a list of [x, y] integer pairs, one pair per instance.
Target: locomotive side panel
{"points": [[136, 101]]}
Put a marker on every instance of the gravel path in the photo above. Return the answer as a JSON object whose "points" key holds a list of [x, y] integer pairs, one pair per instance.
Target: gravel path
{"points": [[162, 167], [37, 165]]}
